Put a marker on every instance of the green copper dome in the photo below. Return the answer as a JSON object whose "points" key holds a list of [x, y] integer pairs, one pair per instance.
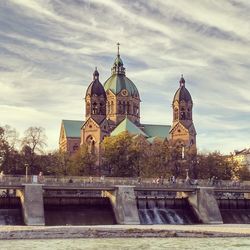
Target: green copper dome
{"points": [[117, 82]]}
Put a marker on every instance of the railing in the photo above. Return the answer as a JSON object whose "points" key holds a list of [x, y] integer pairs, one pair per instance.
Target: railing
{"points": [[87, 181]]}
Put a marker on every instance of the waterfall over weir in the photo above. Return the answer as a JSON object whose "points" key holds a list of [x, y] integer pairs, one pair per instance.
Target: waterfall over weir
{"points": [[165, 211]]}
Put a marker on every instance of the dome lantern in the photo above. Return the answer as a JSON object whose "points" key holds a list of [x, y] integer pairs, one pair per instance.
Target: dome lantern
{"points": [[118, 63]]}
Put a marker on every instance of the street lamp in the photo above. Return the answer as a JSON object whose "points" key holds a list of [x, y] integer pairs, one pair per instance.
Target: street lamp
{"points": [[26, 171]]}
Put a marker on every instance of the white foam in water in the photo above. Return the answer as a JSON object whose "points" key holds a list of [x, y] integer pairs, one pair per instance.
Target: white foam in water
{"points": [[157, 217], [144, 216]]}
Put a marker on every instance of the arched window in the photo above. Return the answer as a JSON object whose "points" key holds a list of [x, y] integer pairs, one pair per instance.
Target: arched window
{"points": [[108, 106], [94, 110], [112, 107], [88, 108], [176, 114], [124, 107], [102, 108], [91, 144], [182, 114], [128, 108], [134, 109], [119, 107]]}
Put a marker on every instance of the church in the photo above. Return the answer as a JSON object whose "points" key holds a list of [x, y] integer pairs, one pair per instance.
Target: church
{"points": [[114, 107]]}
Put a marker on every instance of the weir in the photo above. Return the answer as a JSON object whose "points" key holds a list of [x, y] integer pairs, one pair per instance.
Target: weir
{"points": [[106, 203], [154, 210], [78, 211]]}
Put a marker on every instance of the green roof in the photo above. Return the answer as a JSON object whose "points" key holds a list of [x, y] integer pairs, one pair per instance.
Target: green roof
{"points": [[72, 128], [161, 131], [127, 125], [118, 82]]}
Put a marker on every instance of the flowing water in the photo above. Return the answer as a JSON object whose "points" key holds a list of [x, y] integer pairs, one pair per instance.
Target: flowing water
{"points": [[157, 211], [130, 243]]}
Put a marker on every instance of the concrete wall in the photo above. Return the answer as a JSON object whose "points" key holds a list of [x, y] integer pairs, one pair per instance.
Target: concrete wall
{"points": [[32, 204], [124, 205], [205, 205]]}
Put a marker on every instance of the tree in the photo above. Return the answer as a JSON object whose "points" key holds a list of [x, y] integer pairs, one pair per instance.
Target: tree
{"points": [[83, 162], [33, 143], [10, 160], [119, 155], [35, 139]]}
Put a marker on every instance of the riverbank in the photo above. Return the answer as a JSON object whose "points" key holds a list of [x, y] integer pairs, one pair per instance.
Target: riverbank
{"points": [[123, 231]]}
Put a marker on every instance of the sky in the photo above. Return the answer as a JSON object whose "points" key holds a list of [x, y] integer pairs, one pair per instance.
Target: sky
{"points": [[49, 49]]}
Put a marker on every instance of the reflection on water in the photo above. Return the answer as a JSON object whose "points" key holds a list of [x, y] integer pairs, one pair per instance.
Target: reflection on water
{"points": [[130, 243], [79, 215], [11, 217]]}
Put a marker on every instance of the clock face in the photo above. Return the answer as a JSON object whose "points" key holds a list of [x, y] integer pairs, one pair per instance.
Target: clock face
{"points": [[124, 92]]}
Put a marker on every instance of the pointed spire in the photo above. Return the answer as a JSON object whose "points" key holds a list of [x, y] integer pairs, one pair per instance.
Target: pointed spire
{"points": [[118, 49], [118, 63], [96, 74], [182, 81]]}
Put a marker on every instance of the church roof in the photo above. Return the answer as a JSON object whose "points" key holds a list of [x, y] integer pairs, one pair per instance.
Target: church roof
{"points": [[118, 82], [182, 94], [72, 128], [161, 131], [95, 87], [127, 125]]}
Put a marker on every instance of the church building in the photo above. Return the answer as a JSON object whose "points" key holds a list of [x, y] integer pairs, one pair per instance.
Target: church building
{"points": [[114, 107]]}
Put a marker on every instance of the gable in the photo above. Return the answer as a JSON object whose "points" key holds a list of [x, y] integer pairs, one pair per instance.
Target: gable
{"points": [[127, 125], [91, 124], [179, 128]]}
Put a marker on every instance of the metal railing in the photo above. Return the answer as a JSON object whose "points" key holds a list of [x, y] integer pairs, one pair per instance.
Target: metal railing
{"points": [[88, 181]]}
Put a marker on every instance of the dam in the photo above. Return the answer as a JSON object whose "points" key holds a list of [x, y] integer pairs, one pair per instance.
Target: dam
{"points": [[94, 201]]}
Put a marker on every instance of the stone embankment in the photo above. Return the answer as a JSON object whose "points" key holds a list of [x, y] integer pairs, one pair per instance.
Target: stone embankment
{"points": [[163, 231]]}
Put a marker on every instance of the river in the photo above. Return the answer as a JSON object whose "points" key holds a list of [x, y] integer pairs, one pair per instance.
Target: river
{"points": [[129, 243]]}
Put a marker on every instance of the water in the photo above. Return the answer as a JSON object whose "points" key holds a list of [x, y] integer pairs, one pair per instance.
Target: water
{"points": [[11, 217], [158, 212], [235, 216], [79, 215], [130, 243]]}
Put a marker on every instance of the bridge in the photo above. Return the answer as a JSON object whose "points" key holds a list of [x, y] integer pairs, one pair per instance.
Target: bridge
{"points": [[122, 193]]}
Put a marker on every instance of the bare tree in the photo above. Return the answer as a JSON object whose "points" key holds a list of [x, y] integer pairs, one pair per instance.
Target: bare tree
{"points": [[35, 139]]}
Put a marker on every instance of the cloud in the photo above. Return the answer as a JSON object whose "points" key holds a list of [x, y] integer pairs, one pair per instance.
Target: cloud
{"points": [[48, 51]]}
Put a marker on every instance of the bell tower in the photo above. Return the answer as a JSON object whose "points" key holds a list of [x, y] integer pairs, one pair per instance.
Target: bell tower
{"points": [[182, 132], [95, 100]]}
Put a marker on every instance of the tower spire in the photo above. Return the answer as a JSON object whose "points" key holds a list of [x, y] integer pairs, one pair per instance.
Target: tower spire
{"points": [[182, 81], [118, 49]]}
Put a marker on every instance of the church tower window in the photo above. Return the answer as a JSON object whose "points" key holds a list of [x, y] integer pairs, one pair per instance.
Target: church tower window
{"points": [[88, 109], [128, 108], [112, 107], [123, 107], [176, 114], [94, 108]]}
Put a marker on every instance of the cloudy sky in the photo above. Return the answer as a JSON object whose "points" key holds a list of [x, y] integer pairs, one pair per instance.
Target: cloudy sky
{"points": [[49, 48]]}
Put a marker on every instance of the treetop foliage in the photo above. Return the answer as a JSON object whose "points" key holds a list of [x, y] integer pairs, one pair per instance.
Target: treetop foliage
{"points": [[124, 155]]}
